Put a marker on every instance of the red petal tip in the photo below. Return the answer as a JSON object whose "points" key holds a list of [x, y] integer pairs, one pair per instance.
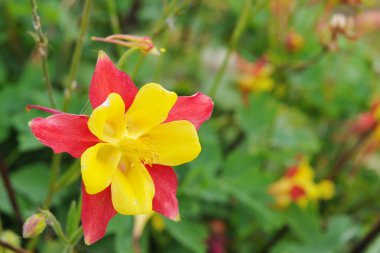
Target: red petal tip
{"points": [[87, 241], [102, 55], [177, 218]]}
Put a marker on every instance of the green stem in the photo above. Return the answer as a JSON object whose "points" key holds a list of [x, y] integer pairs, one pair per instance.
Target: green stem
{"points": [[124, 57], [70, 84], [238, 30], [54, 172], [42, 43], [139, 62], [115, 25], [56, 226]]}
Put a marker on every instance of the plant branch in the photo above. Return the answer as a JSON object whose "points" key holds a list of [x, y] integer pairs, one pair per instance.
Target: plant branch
{"points": [[238, 30], [71, 83], [42, 43], [10, 191], [12, 248], [275, 238], [368, 238]]}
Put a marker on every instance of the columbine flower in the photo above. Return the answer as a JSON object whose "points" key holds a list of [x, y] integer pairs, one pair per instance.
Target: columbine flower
{"points": [[298, 186], [294, 41], [254, 77], [132, 41], [126, 145]]}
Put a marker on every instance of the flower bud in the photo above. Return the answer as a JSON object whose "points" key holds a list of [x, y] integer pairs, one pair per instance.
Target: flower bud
{"points": [[34, 225], [11, 238], [294, 42]]}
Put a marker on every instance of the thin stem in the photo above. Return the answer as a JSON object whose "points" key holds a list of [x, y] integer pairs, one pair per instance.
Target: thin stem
{"points": [[11, 247], [238, 30], [140, 61], [54, 172], [125, 56], [370, 236], [10, 191], [344, 157], [42, 43], [70, 84], [275, 238], [115, 25]]}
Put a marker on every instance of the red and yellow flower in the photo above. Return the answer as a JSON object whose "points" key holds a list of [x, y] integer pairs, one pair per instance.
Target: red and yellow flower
{"points": [[298, 186], [127, 145]]}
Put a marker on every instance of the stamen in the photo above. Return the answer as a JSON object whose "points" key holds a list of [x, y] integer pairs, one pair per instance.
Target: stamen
{"points": [[139, 150]]}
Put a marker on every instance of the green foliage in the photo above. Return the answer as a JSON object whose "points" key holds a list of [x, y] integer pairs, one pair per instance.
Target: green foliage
{"points": [[252, 138]]}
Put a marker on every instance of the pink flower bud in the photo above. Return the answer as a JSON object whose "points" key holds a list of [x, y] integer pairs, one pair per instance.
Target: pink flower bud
{"points": [[34, 225]]}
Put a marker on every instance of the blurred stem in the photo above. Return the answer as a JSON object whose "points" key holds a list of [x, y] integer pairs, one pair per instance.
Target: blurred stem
{"points": [[4, 171], [139, 62], [70, 84], [54, 172], [170, 10], [12, 157], [125, 56], [42, 43], [368, 238], [11, 247], [274, 239], [303, 65], [346, 155], [238, 30], [54, 223], [115, 25]]}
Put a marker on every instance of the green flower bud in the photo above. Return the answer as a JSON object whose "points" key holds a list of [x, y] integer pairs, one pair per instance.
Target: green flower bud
{"points": [[34, 225]]}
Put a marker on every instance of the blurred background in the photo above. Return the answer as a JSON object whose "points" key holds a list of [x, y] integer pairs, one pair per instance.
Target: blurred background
{"points": [[290, 160]]}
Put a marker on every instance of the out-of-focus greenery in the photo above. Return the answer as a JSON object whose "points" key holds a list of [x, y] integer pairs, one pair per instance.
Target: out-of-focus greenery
{"points": [[319, 87]]}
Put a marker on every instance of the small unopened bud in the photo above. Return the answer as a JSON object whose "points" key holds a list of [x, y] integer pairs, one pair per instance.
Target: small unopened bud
{"points": [[294, 42], [145, 44], [11, 238], [34, 225], [338, 22]]}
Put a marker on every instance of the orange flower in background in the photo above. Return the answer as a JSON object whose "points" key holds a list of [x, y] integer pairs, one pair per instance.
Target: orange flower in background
{"points": [[294, 41], [367, 126], [298, 186], [254, 77]]}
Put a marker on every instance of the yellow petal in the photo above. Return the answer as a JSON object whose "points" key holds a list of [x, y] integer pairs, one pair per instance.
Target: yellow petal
{"points": [[151, 107], [326, 189], [132, 189], [98, 164], [305, 171], [107, 120], [174, 142]]}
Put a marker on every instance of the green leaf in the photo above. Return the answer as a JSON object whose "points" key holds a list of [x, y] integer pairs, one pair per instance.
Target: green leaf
{"points": [[73, 218], [293, 132], [190, 234], [32, 181], [257, 119]]}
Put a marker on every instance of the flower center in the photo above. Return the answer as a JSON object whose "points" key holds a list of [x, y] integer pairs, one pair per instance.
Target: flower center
{"points": [[138, 150]]}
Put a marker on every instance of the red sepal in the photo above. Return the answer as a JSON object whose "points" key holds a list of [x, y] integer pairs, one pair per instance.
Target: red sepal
{"points": [[64, 132], [196, 109], [108, 79], [97, 211], [165, 182]]}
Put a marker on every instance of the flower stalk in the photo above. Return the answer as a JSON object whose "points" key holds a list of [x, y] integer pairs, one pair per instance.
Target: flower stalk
{"points": [[239, 28], [42, 43], [70, 84]]}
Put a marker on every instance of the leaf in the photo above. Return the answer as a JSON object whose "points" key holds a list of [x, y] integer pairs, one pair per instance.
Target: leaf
{"points": [[190, 234], [257, 119], [32, 181], [292, 131]]}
